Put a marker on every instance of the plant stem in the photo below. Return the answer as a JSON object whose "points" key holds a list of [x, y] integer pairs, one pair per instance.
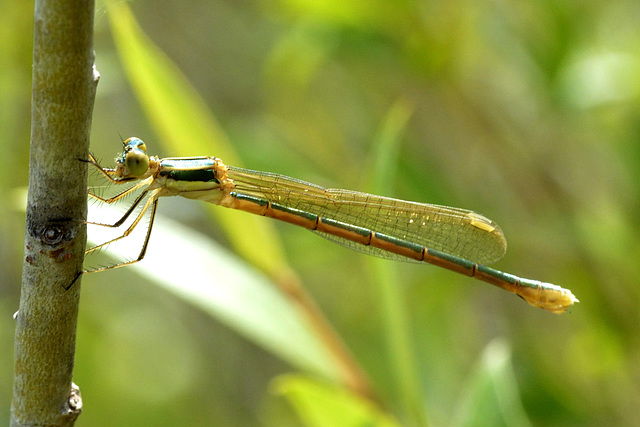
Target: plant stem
{"points": [[64, 84]]}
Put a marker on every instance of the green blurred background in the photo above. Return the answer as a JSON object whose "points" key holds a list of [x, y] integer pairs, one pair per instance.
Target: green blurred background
{"points": [[527, 112]]}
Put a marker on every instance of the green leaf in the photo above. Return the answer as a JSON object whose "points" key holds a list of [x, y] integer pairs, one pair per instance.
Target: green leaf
{"points": [[320, 404], [184, 122], [391, 297], [492, 396], [201, 272]]}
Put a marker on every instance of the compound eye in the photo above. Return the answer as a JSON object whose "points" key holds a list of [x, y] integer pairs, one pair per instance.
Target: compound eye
{"points": [[137, 162], [134, 143]]}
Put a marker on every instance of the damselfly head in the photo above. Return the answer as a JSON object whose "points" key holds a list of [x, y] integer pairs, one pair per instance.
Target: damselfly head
{"points": [[134, 160]]}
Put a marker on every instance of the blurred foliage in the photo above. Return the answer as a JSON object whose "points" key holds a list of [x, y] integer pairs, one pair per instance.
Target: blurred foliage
{"points": [[524, 111]]}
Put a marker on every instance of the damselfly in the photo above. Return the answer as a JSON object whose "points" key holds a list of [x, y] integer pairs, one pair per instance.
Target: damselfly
{"points": [[456, 239]]}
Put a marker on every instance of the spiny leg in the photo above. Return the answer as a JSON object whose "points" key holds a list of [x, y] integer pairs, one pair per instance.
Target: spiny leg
{"points": [[122, 264], [124, 193], [153, 199], [126, 214], [107, 172], [143, 251]]}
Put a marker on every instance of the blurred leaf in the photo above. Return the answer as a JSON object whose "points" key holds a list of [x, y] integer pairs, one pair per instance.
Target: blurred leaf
{"points": [[355, 13], [184, 121], [596, 79], [387, 146], [390, 290], [320, 404], [492, 396], [205, 274]]}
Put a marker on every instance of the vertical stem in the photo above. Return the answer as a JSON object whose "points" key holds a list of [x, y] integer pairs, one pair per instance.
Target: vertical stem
{"points": [[64, 84]]}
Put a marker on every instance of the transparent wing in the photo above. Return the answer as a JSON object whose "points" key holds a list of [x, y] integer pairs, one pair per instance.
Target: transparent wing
{"points": [[458, 232]]}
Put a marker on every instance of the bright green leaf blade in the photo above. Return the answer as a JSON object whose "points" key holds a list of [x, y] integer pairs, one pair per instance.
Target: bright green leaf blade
{"points": [[320, 404], [183, 120], [203, 273]]}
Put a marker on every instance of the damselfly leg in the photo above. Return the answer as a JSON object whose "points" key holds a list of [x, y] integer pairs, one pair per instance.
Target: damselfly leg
{"points": [[151, 201]]}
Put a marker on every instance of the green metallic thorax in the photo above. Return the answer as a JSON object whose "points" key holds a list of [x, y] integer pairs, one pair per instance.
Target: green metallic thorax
{"points": [[193, 178]]}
